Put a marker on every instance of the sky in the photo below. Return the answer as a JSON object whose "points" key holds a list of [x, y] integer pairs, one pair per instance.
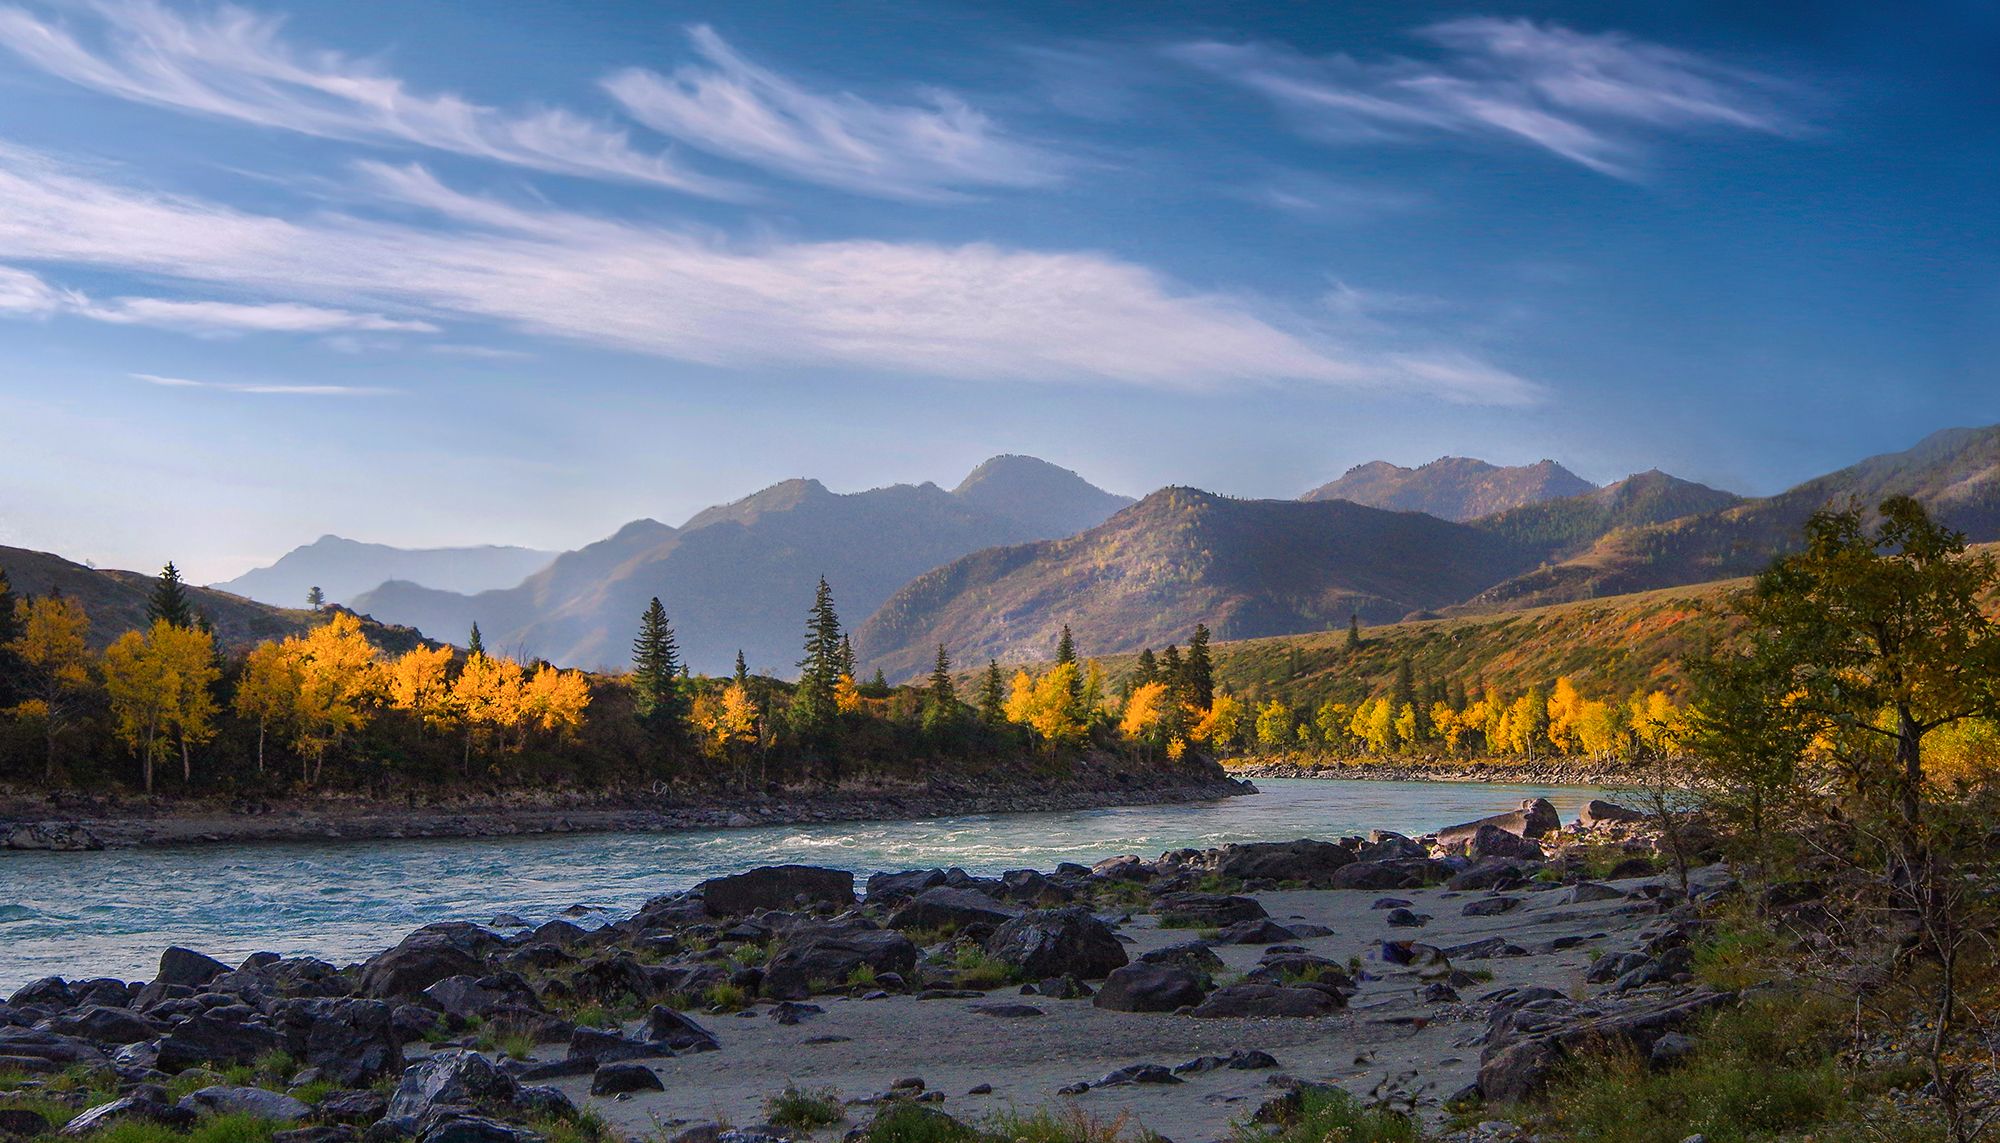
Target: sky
{"points": [[426, 273]]}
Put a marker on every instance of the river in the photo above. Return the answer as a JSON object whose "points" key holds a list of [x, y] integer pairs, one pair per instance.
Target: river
{"points": [[110, 913]]}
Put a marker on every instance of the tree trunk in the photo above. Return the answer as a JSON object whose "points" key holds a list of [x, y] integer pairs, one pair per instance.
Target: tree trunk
{"points": [[187, 765], [260, 746]]}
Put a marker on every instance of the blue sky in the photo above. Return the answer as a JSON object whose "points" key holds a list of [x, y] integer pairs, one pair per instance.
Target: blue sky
{"points": [[427, 273]]}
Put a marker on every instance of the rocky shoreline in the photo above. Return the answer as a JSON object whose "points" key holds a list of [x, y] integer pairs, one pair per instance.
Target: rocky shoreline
{"points": [[85, 824], [1559, 771], [1192, 992]]}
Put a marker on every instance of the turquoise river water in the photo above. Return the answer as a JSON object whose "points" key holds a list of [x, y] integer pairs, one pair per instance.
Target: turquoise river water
{"points": [[110, 913]]}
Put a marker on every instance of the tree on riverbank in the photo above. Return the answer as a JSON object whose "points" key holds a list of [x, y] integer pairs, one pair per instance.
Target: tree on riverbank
{"points": [[657, 698]]}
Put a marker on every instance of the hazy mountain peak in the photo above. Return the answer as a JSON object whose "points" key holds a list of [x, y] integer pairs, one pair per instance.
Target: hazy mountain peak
{"points": [[345, 569], [1046, 499], [1453, 487]]}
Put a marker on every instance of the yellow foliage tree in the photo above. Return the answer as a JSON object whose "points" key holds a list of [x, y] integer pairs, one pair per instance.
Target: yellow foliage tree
{"points": [[340, 680], [1222, 727], [554, 700], [52, 648], [846, 695], [159, 684], [1274, 725], [269, 691], [486, 696], [1049, 706], [1145, 712], [419, 682]]}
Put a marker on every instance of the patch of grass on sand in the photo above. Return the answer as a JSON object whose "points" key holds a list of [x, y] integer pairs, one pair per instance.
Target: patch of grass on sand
{"points": [[1331, 1115], [1067, 1124], [798, 1109]]}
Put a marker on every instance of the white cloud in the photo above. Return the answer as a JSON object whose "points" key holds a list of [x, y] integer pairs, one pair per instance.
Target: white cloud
{"points": [[1590, 98], [271, 388], [975, 311], [23, 293], [731, 107], [234, 64]]}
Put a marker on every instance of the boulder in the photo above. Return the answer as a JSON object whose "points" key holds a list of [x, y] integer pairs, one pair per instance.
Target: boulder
{"points": [[1513, 1068], [185, 966], [1385, 845], [1256, 1000], [1597, 812], [1491, 906], [66, 837], [1492, 841], [143, 1104], [21, 1123], [255, 1102], [1138, 1073], [452, 1078], [1148, 988], [889, 888], [777, 887], [617, 1079], [1399, 873], [101, 1025], [823, 958], [1491, 873], [359, 1106], [219, 1036], [666, 1026], [1535, 818], [51, 992], [425, 957], [465, 997], [945, 907], [1259, 932], [318, 1133], [1205, 910], [1195, 956], [1312, 862], [459, 1128], [1058, 942], [348, 1042], [1589, 892]]}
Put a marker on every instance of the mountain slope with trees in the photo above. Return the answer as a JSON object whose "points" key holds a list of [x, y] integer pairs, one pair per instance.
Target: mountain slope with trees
{"points": [[1452, 487], [1182, 556], [1954, 473]]}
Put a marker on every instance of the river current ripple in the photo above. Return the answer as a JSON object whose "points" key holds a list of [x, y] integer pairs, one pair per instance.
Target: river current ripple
{"points": [[110, 913]]}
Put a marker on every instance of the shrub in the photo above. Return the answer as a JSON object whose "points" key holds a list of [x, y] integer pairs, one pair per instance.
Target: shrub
{"points": [[1331, 1115], [915, 1123]]}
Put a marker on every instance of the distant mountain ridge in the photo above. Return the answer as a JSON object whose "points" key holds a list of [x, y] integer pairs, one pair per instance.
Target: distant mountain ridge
{"points": [[740, 575], [345, 568], [116, 602], [1453, 487]]}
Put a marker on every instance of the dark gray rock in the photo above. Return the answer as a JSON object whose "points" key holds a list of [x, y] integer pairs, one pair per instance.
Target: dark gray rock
{"points": [[1058, 942], [503, 993], [425, 957], [350, 1042], [187, 967], [1404, 919], [143, 1104], [890, 888], [458, 1128], [452, 1078], [1535, 818], [220, 1036], [1312, 862], [1259, 932], [777, 887], [617, 1079], [1255, 1000], [1588, 892], [824, 958], [1402, 873], [1206, 910], [1149, 988], [1492, 841], [666, 1026], [101, 1025], [21, 1123], [1195, 956], [357, 1106], [959, 909], [1138, 1073], [256, 1102], [1491, 906], [1521, 1056]]}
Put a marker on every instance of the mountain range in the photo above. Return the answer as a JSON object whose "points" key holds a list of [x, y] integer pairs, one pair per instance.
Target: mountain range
{"points": [[996, 566], [344, 568], [740, 576]]}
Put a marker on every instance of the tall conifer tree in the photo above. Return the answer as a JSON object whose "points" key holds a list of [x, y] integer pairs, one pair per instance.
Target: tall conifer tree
{"points": [[1200, 671], [657, 697], [992, 695], [819, 672], [169, 600], [474, 645], [941, 698]]}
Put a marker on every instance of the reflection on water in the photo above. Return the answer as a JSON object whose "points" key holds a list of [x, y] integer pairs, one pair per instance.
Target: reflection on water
{"points": [[110, 913]]}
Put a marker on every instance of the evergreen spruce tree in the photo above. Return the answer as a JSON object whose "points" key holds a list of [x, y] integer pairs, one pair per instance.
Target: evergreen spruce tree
{"points": [[941, 697], [1200, 670], [1173, 672], [1405, 691], [819, 672], [1353, 631], [474, 645], [170, 599], [315, 598], [742, 675], [1147, 670], [657, 696], [1066, 656], [1065, 647], [992, 695], [846, 657]]}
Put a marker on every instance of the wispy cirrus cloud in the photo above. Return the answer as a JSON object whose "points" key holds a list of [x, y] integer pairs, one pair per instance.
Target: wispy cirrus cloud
{"points": [[232, 63], [1595, 99], [263, 388], [728, 106], [974, 311], [23, 293]]}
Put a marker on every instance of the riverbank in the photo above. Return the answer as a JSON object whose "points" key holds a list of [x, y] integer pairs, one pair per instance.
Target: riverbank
{"points": [[1183, 992], [87, 823], [1557, 771]]}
